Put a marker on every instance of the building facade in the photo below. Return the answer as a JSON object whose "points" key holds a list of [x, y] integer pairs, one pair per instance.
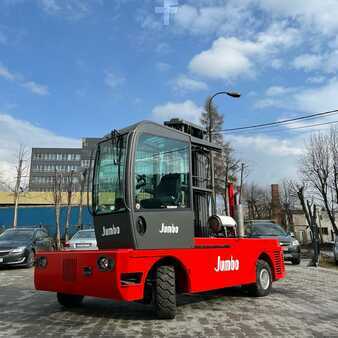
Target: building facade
{"points": [[67, 162], [302, 231]]}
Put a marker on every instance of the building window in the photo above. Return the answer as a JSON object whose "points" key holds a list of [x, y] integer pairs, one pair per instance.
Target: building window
{"points": [[324, 231]]}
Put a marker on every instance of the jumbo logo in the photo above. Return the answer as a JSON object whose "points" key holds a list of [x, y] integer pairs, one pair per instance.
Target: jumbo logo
{"points": [[169, 229], [227, 264], [110, 231]]}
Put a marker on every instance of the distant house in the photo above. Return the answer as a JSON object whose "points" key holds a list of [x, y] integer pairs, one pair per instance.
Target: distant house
{"points": [[302, 232]]}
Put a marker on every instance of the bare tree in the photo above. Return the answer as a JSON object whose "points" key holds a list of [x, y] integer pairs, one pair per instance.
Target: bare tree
{"points": [[288, 202], [258, 201], [70, 188], [57, 196], [318, 170], [19, 183]]}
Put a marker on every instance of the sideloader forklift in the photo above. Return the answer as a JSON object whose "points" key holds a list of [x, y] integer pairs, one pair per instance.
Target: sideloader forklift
{"points": [[152, 203]]}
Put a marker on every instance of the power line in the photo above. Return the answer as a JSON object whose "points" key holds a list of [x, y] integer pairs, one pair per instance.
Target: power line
{"points": [[290, 129], [279, 122]]}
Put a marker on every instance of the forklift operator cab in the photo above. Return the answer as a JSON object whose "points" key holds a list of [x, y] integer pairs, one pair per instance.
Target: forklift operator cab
{"points": [[143, 188]]}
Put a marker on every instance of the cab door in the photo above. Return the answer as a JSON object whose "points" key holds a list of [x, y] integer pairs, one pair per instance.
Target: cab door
{"points": [[161, 195]]}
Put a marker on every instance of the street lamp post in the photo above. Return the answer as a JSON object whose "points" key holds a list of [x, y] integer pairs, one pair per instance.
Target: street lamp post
{"points": [[210, 130]]}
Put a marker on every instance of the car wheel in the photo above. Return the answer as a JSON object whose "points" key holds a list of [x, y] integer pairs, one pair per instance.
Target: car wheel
{"points": [[68, 300], [30, 259], [165, 293], [263, 284], [295, 261]]}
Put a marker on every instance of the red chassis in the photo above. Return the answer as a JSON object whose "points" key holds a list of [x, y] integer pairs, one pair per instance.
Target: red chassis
{"points": [[212, 264]]}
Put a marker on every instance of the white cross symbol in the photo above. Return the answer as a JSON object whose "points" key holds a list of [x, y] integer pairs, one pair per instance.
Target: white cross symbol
{"points": [[169, 7]]}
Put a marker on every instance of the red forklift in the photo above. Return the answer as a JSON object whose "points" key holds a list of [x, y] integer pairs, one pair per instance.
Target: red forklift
{"points": [[153, 207]]}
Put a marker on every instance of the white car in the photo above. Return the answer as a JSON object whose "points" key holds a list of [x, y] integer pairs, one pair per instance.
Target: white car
{"points": [[82, 240]]}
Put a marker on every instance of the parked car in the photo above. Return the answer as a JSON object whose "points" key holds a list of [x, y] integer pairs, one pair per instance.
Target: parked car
{"points": [[335, 250], [82, 240], [19, 245], [290, 245]]}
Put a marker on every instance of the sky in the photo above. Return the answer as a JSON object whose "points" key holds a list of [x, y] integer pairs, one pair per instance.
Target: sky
{"points": [[80, 68]]}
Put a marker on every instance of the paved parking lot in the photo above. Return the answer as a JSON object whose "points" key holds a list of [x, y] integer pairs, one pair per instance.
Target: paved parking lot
{"points": [[304, 304]]}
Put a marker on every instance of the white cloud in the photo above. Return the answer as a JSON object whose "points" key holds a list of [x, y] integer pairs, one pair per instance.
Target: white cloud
{"points": [[15, 133], [187, 110], [308, 100], [312, 14], [319, 98], [278, 90], [112, 80], [36, 88], [307, 62], [32, 86], [212, 18], [269, 159], [70, 9], [184, 83], [316, 79], [162, 66], [229, 58]]}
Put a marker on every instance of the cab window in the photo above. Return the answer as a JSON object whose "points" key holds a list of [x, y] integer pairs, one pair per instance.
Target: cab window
{"points": [[161, 173]]}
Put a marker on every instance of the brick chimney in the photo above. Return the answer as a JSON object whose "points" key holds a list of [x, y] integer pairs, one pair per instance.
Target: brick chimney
{"points": [[276, 209]]}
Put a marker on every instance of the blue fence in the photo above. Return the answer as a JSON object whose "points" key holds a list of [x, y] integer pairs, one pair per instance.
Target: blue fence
{"points": [[44, 216]]}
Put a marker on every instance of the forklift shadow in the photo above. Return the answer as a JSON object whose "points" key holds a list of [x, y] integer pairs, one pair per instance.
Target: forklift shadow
{"points": [[219, 294], [99, 308]]}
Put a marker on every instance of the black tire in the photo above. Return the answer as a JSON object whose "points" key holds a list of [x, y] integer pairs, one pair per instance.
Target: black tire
{"points": [[295, 261], [165, 293], [263, 284], [68, 300], [30, 261]]}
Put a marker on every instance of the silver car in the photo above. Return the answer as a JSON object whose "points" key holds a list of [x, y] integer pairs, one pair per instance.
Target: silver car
{"points": [[82, 240]]}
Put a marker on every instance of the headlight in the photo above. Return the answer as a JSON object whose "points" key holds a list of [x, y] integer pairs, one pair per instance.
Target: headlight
{"points": [[105, 263], [20, 249], [42, 262], [294, 242]]}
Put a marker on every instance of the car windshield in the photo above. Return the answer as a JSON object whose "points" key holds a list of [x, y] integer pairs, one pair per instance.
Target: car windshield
{"points": [[108, 192], [267, 229], [84, 235], [16, 235]]}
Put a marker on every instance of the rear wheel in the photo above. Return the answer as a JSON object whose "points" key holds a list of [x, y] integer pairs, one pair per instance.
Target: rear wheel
{"points": [[263, 284], [165, 292], [68, 300]]}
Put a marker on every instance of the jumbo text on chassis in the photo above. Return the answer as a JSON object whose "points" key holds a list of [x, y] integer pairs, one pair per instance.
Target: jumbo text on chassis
{"points": [[151, 200]]}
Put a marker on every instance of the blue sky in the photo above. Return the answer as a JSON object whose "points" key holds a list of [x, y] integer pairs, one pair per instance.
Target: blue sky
{"points": [[74, 68]]}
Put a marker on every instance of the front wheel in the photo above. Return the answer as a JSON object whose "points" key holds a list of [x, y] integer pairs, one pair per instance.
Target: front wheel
{"points": [[165, 293], [68, 300], [263, 284], [30, 260]]}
